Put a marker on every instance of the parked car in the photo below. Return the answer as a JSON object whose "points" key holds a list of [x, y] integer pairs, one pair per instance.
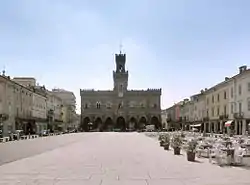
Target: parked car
{"points": [[18, 134], [44, 133]]}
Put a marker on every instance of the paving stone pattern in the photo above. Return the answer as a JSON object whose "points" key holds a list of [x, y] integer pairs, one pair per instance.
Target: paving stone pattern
{"points": [[117, 159], [16, 150]]}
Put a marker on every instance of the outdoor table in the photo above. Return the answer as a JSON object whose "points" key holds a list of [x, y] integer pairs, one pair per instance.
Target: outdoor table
{"points": [[230, 154], [247, 147]]}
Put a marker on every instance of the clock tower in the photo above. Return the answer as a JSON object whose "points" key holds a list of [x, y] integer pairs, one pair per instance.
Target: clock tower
{"points": [[120, 75]]}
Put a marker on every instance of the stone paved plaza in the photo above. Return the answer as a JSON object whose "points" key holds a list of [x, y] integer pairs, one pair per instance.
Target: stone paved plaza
{"points": [[112, 159]]}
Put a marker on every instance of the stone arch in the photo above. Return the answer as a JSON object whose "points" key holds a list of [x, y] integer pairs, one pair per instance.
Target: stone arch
{"points": [[97, 123], [120, 123], [132, 123], [30, 128], [142, 122], [85, 124], [108, 124], [155, 121]]}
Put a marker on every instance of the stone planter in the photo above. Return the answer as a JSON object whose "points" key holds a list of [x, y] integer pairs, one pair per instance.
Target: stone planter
{"points": [[191, 156], [166, 146], [177, 151], [161, 143]]}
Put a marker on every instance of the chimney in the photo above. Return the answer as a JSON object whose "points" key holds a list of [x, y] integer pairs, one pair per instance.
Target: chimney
{"points": [[202, 91], [226, 78], [205, 89], [242, 69]]}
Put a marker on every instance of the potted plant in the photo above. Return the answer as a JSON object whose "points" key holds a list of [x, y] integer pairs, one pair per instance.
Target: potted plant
{"points": [[166, 142], [176, 143], [161, 139], [191, 149]]}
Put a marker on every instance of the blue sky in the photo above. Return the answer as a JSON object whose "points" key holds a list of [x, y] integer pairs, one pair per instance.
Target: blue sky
{"points": [[181, 46]]}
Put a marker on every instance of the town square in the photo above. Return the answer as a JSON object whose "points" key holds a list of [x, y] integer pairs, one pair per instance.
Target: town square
{"points": [[124, 93]]}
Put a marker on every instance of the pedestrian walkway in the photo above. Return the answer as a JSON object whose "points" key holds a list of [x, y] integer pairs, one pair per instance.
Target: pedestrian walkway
{"points": [[117, 159]]}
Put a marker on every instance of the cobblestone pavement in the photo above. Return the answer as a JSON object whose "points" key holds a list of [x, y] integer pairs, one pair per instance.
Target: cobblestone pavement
{"points": [[117, 159], [12, 151]]}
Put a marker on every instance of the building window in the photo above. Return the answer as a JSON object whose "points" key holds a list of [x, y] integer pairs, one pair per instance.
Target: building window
{"points": [[207, 101], [225, 109], [240, 89], [240, 107], [213, 99], [248, 86], [225, 94], [86, 106], [232, 108], [212, 111], [248, 104], [218, 111], [155, 105], [108, 106], [98, 105], [232, 92], [218, 97], [121, 88]]}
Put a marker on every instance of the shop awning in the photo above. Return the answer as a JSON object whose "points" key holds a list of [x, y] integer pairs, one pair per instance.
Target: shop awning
{"points": [[197, 125], [228, 123]]}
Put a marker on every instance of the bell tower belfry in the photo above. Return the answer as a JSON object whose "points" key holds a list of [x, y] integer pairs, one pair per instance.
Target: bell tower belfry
{"points": [[120, 75]]}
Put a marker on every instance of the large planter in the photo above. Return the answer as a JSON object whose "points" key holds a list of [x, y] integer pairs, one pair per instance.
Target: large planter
{"points": [[166, 146], [177, 151], [161, 143], [191, 156]]}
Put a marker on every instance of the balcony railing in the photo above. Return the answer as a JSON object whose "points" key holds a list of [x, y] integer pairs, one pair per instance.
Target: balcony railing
{"points": [[3, 117], [222, 117], [206, 119], [238, 115]]}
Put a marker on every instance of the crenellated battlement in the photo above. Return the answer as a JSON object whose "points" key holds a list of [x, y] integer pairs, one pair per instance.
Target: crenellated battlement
{"points": [[93, 92], [120, 55], [154, 90], [87, 90], [145, 90]]}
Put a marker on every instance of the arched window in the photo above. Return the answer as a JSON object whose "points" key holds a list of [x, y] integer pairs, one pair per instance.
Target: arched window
{"points": [[121, 88], [108, 105], [98, 105]]}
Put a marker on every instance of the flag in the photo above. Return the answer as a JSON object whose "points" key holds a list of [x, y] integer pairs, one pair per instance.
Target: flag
{"points": [[119, 106]]}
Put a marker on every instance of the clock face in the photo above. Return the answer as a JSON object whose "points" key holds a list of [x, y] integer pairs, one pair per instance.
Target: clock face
{"points": [[120, 94]]}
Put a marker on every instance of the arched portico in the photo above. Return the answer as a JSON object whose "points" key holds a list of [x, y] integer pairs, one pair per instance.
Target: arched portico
{"points": [[121, 123], [142, 122], [97, 124], [30, 128], [85, 124], [108, 124], [132, 124], [155, 121]]}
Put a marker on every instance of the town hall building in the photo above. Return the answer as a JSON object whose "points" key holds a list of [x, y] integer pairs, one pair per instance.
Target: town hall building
{"points": [[120, 108]]}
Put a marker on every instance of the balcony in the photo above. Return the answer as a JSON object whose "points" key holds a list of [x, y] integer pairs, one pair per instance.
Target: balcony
{"points": [[223, 117], [206, 119], [4, 117], [238, 115]]}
